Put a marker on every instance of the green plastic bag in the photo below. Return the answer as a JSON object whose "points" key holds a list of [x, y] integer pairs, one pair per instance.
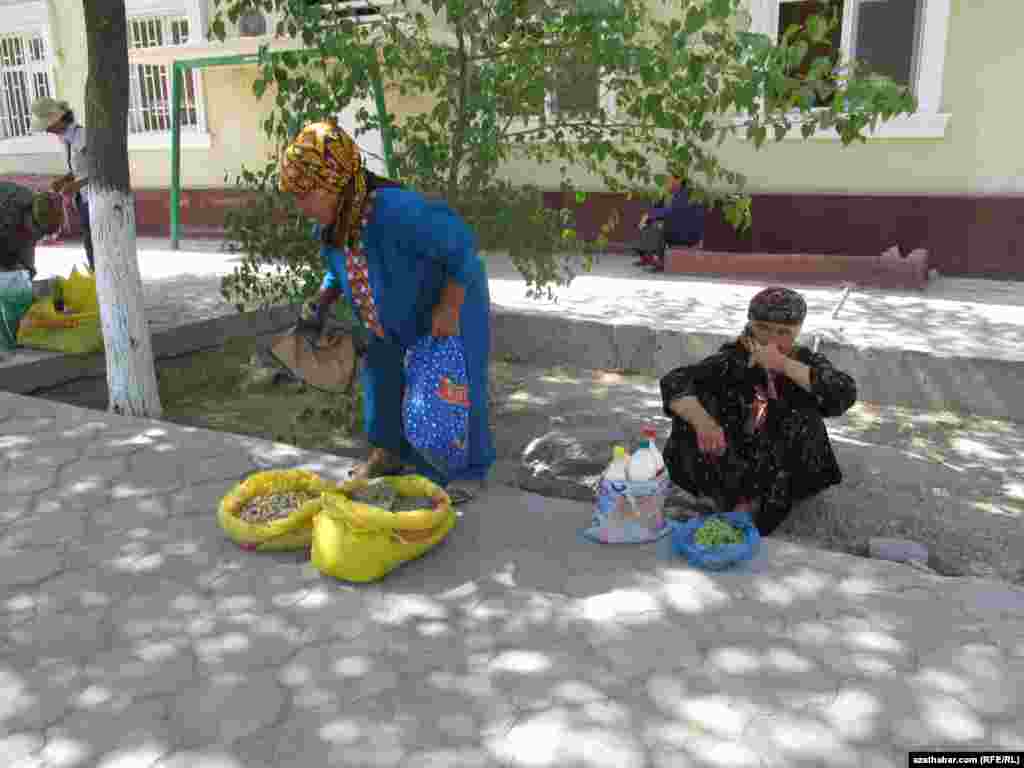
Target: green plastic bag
{"points": [[15, 299]]}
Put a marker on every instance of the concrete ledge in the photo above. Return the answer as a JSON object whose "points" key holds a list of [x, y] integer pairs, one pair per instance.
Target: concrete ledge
{"points": [[35, 375], [887, 270], [885, 376]]}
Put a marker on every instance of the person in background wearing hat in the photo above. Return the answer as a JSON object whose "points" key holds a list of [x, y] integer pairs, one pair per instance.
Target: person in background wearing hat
{"points": [[25, 218], [56, 117], [748, 430]]}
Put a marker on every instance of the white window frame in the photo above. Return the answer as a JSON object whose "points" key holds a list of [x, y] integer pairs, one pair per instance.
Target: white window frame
{"points": [[928, 122], [196, 11], [29, 19]]}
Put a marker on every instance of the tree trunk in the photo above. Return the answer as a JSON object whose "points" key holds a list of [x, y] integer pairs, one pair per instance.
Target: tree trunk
{"points": [[131, 373]]}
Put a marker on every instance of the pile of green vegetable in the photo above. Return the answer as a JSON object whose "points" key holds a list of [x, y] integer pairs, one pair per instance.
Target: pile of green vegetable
{"points": [[716, 533]]}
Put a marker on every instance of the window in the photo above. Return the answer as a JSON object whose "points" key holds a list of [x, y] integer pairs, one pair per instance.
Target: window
{"points": [[577, 89], [24, 77], [902, 39], [335, 11], [575, 86], [883, 34], [796, 12], [150, 84]]}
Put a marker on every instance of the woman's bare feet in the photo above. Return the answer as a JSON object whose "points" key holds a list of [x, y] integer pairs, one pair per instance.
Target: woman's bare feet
{"points": [[382, 463]]}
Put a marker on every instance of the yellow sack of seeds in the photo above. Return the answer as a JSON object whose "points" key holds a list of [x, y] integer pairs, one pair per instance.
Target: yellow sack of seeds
{"points": [[273, 510], [358, 542]]}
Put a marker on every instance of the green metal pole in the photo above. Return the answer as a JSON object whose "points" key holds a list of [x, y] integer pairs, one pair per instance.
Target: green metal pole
{"points": [[382, 115], [175, 153]]}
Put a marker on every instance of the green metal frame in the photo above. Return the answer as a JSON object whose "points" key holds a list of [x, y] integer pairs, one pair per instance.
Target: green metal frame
{"points": [[178, 70]]}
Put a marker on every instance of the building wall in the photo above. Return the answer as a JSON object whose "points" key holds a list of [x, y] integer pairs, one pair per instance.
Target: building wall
{"points": [[977, 156]]}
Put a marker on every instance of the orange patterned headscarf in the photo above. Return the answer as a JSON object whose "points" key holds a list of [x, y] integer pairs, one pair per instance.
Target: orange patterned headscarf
{"points": [[323, 156]]}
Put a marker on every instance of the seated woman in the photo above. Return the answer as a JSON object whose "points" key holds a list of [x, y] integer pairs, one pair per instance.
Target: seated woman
{"points": [[748, 426], [677, 222]]}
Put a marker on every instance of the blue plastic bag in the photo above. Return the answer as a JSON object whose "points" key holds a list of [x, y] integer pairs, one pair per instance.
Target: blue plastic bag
{"points": [[435, 409], [716, 558]]}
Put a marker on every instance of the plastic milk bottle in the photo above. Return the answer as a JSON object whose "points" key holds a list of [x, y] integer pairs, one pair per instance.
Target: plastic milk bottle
{"points": [[651, 434], [611, 500], [643, 466]]}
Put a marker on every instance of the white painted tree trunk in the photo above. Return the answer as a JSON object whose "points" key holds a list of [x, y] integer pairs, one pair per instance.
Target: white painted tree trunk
{"points": [[131, 372]]}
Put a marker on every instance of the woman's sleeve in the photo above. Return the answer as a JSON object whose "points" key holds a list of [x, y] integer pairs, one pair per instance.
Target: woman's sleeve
{"points": [[834, 391], [657, 214], [330, 283], [689, 380], [441, 236]]}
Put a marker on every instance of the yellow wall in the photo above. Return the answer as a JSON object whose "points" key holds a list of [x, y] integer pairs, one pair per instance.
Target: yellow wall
{"points": [[979, 154], [234, 118]]}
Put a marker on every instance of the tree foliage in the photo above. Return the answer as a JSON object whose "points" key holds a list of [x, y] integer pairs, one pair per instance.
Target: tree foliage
{"points": [[516, 79]]}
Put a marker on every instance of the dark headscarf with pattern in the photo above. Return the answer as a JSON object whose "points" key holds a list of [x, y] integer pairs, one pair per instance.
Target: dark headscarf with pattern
{"points": [[778, 305]]}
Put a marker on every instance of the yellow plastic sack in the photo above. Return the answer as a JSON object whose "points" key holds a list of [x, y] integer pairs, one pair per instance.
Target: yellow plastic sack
{"points": [[79, 292], [43, 327], [358, 542], [292, 532]]}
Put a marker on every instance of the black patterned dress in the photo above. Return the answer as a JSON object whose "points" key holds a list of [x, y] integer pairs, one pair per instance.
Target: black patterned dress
{"points": [[780, 458]]}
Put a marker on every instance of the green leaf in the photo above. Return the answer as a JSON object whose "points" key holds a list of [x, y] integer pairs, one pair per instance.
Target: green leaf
{"points": [[817, 28], [721, 9], [581, 198], [696, 20]]}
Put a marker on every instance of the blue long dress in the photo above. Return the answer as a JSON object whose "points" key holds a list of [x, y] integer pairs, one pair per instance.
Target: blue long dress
{"points": [[413, 247]]}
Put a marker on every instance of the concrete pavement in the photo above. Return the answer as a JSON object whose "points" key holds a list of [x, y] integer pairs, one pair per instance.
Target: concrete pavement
{"points": [[135, 635]]}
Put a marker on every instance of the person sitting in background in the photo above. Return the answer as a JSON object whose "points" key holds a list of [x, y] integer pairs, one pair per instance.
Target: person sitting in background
{"points": [[26, 217], [748, 428], [677, 222]]}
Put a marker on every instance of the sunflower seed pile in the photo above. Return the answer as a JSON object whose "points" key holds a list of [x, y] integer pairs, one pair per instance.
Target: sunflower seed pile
{"points": [[274, 506], [382, 495], [412, 503], [376, 495]]}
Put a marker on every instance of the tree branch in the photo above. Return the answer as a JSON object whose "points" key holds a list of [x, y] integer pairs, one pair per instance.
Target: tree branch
{"points": [[501, 52], [458, 140], [576, 125]]}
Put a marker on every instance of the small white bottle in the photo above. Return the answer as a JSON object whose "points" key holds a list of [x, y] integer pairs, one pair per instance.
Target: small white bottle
{"points": [[651, 434], [643, 466], [617, 470]]}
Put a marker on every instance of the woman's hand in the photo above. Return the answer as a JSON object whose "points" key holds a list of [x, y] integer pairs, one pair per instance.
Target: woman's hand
{"points": [[710, 437], [445, 321], [767, 356], [59, 184]]}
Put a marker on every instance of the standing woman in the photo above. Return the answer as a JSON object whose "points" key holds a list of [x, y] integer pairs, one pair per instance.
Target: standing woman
{"points": [[409, 268], [56, 117]]}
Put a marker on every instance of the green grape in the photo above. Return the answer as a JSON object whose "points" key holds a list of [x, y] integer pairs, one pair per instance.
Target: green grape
{"points": [[716, 533]]}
